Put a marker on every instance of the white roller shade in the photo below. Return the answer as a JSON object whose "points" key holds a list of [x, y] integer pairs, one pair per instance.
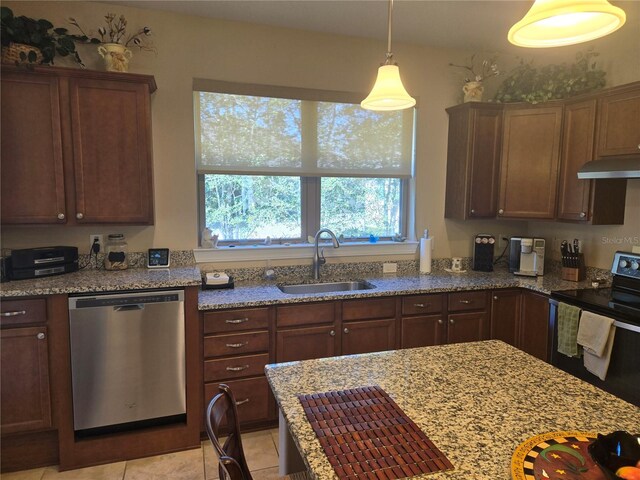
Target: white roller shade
{"points": [[257, 135]]}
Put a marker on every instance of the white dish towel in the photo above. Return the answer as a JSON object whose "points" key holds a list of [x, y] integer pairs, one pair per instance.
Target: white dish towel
{"points": [[596, 334]]}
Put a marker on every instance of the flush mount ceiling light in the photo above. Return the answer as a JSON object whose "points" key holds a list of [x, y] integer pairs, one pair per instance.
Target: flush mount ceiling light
{"points": [[554, 23], [388, 93]]}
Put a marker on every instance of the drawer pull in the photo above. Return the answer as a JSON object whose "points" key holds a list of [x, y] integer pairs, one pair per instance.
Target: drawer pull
{"points": [[466, 302], [237, 369], [332, 333], [13, 314], [40, 336], [495, 297], [237, 320], [346, 330], [421, 305], [451, 321], [237, 345], [242, 402], [440, 321]]}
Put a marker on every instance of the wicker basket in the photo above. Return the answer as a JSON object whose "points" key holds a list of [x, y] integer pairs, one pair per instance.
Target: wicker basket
{"points": [[11, 54]]}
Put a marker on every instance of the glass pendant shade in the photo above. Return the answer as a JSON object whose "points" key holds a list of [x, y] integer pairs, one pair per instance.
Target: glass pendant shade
{"points": [[554, 23], [388, 93]]}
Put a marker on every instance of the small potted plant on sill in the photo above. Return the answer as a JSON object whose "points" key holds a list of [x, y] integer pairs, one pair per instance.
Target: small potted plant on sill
{"points": [[114, 42], [26, 41]]}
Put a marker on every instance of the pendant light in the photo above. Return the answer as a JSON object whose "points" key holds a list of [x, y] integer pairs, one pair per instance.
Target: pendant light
{"points": [[388, 93], [554, 23]]}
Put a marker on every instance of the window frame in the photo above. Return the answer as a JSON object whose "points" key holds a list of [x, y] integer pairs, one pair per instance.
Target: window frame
{"points": [[310, 187], [310, 212]]}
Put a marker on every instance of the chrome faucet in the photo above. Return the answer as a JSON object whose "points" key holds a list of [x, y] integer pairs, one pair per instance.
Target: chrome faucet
{"points": [[318, 256]]}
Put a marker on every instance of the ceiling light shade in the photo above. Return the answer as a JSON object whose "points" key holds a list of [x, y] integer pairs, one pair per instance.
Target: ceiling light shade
{"points": [[388, 93], [554, 23]]}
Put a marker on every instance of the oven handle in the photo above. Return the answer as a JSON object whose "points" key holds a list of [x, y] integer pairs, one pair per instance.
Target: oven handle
{"points": [[617, 323]]}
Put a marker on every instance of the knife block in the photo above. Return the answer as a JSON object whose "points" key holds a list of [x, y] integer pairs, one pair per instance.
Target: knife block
{"points": [[575, 274]]}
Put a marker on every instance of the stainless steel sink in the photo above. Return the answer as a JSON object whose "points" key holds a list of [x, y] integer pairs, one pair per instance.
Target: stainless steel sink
{"points": [[326, 287]]}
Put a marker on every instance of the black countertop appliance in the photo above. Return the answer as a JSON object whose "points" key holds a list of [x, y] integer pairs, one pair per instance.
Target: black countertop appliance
{"points": [[42, 262]]}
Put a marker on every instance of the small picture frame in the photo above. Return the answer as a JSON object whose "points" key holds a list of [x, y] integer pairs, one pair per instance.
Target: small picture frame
{"points": [[158, 258]]}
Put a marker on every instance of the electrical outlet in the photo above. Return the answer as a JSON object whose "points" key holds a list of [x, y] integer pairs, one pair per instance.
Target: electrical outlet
{"points": [[94, 237], [502, 240], [389, 268]]}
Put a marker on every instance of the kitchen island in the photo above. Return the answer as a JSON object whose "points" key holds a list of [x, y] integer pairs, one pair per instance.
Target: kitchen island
{"points": [[476, 401]]}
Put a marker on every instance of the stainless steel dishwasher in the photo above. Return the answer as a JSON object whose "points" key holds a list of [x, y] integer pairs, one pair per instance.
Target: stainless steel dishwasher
{"points": [[127, 360]]}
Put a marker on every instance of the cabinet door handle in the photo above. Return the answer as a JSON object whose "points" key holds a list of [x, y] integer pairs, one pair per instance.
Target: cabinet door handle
{"points": [[236, 321], [242, 402], [440, 321], [451, 321], [583, 214], [237, 345], [61, 216], [639, 146], [495, 297], [472, 211], [501, 211], [237, 369], [346, 330], [466, 302], [332, 333], [40, 336], [79, 216], [421, 305], [13, 314]]}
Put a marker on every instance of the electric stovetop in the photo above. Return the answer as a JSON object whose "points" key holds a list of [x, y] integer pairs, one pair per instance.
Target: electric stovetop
{"points": [[599, 300]]}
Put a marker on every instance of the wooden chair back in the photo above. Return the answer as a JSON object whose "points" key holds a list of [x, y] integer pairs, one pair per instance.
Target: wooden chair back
{"points": [[222, 411]]}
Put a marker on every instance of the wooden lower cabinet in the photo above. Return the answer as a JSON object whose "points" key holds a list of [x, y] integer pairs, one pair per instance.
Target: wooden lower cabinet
{"points": [[534, 327], [505, 315], [423, 331], [305, 343], [368, 336], [521, 318], [466, 327], [25, 394], [253, 398]]}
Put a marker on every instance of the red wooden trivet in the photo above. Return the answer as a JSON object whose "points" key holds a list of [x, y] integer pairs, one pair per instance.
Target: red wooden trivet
{"points": [[365, 435]]}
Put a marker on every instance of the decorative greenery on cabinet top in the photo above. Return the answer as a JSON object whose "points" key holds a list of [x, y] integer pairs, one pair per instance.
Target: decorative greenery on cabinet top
{"points": [[527, 83]]}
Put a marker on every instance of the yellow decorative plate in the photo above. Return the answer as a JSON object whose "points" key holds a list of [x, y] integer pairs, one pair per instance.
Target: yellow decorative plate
{"points": [[556, 456]]}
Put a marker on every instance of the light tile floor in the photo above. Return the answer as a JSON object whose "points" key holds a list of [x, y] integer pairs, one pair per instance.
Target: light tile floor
{"points": [[260, 448]]}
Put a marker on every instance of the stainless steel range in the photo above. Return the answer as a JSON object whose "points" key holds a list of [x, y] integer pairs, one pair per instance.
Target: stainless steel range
{"points": [[622, 303]]}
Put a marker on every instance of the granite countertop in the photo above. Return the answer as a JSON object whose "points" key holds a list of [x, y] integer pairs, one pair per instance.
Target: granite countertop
{"points": [[476, 401], [93, 280], [252, 294]]}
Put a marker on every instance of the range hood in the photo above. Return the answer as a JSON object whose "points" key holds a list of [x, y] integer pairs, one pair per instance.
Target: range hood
{"points": [[621, 167]]}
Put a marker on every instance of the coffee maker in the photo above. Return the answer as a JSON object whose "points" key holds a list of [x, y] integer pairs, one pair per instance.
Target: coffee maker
{"points": [[526, 256]]}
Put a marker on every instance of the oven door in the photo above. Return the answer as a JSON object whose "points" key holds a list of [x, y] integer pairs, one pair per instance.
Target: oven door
{"points": [[623, 376]]}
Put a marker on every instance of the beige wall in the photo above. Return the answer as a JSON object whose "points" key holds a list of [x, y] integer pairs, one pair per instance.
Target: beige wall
{"points": [[190, 47]]}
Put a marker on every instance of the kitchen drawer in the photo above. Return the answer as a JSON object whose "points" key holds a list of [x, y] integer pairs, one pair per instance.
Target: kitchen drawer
{"points": [[235, 367], [236, 320], [369, 308], [236, 344], [252, 398], [309, 314], [421, 304], [22, 312], [464, 301]]}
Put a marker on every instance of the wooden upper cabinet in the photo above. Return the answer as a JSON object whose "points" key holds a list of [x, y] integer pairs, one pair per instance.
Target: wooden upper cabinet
{"points": [[112, 151], [76, 147], [473, 160], [619, 121], [597, 202], [530, 160], [33, 189], [579, 125]]}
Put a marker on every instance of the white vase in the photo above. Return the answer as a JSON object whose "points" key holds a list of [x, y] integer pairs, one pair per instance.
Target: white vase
{"points": [[116, 57], [473, 91]]}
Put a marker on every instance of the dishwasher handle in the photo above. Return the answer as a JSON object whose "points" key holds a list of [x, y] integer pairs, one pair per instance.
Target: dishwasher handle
{"points": [[126, 308]]}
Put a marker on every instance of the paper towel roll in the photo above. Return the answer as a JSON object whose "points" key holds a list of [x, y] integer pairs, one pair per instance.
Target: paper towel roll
{"points": [[425, 255]]}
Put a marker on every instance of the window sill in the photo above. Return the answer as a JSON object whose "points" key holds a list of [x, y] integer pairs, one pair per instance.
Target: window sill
{"points": [[301, 251]]}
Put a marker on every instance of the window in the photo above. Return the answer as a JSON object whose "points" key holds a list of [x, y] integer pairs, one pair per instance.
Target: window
{"points": [[274, 166]]}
